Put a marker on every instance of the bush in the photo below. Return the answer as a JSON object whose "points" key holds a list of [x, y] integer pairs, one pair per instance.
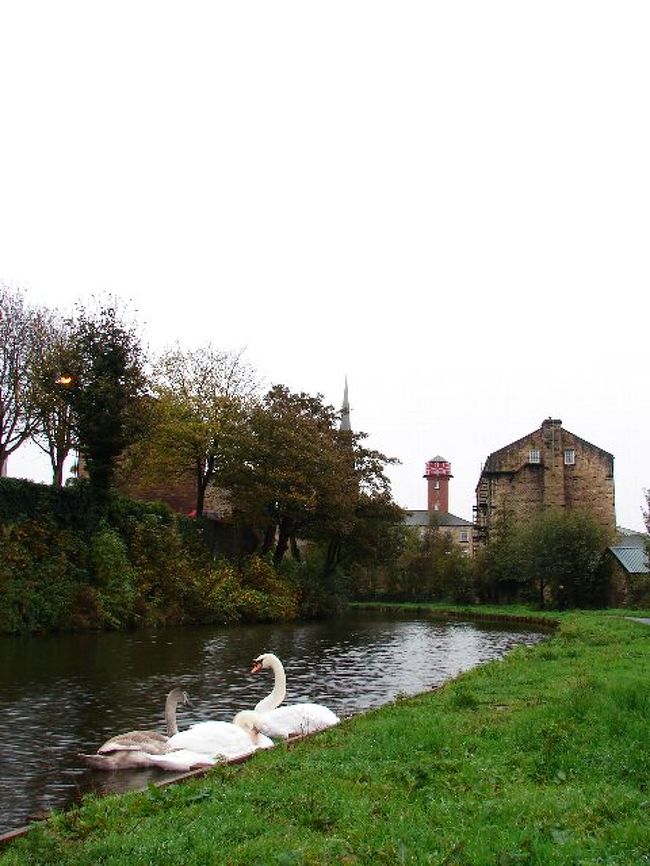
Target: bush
{"points": [[40, 571], [227, 595], [64, 568], [113, 577]]}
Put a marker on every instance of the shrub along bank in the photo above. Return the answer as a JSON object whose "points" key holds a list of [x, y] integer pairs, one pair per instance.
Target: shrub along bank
{"points": [[66, 566], [542, 758]]}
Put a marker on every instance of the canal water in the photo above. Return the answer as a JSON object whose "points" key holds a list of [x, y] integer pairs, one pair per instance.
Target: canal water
{"points": [[66, 694]]}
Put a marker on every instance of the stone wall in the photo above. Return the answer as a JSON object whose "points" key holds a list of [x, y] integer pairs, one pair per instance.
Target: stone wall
{"points": [[549, 468]]}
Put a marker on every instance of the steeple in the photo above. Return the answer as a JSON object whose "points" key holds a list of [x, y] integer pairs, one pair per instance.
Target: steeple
{"points": [[345, 409]]}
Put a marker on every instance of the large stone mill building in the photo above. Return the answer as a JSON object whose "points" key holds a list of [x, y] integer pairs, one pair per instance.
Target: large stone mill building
{"points": [[548, 468]]}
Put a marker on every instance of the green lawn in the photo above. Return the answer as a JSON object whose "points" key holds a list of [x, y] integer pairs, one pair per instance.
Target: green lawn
{"points": [[542, 758]]}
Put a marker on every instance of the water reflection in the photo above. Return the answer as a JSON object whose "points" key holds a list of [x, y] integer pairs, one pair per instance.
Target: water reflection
{"points": [[67, 694]]}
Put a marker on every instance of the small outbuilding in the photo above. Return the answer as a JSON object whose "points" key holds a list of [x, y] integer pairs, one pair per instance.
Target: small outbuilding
{"points": [[629, 561]]}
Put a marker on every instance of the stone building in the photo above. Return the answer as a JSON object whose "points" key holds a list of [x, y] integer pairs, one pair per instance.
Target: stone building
{"points": [[548, 468], [437, 474], [629, 561]]}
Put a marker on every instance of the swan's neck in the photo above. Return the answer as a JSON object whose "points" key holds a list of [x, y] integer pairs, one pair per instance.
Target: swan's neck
{"points": [[279, 692], [170, 716], [250, 722]]}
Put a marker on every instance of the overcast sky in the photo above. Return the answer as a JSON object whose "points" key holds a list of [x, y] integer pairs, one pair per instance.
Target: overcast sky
{"points": [[447, 202]]}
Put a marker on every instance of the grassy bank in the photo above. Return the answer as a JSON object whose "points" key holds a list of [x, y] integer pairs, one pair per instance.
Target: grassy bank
{"points": [[487, 612], [542, 758]]}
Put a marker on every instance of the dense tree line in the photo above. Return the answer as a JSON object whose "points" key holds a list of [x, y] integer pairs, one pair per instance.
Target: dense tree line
{"points": [[554, 559], [84, 383], [294, 480], [64, 566]]}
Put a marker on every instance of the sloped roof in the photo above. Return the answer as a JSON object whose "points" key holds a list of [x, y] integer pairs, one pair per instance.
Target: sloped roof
{"points": [[442, 518], [630, 537], [492, 459], [633, 559]]}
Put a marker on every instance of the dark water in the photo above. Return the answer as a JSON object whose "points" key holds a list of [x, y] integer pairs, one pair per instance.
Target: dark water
{"points": [[66, 694]]}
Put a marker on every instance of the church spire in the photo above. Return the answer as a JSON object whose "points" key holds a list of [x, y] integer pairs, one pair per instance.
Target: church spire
{"points": [[345, 409]]}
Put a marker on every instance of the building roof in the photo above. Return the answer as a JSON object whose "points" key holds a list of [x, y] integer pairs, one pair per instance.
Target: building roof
{"points": [[630, 537], [442, 518], [491, 463], [633, 559]]}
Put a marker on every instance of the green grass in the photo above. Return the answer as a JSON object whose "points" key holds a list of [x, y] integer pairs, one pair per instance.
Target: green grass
{"points": [[542, 758]]}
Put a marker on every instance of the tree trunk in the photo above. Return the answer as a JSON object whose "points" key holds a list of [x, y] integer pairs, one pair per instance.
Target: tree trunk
{"points": [[201, 485], [269, 537], [57, 473], [295, 550], [332, 557], [284, 533]]}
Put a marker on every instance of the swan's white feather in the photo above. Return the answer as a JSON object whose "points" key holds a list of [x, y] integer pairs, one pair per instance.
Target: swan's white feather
{"points": [[182, 760], [296, 720], [215, 738]]}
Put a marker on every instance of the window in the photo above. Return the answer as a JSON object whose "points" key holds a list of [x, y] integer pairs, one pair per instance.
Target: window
{"points": [[533, 455], [464, 535], [569, 456], [436, 485]]}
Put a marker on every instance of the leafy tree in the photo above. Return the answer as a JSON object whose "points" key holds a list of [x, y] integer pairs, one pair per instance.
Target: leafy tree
{"points": [[104, 385], [563, 549], [18, 329], [432, 568], [300, 477], [376, 536], [198, 418], [293, 474], [501, 565]]}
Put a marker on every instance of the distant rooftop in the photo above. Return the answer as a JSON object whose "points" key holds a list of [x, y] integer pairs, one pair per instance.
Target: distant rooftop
{"points": [[628, 537], [634, 559], [441, 518]]}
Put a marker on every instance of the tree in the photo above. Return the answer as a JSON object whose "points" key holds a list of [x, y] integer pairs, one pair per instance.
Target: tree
{"points": [[288, 468], [52, 410], [18, 327], [501, 565], [105, 386], [563, 549], [432, 568], [199, 414], [300, 477]]}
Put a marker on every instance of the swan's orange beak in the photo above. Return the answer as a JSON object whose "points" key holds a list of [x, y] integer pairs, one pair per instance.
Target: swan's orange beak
{"points": [[257, 667]]}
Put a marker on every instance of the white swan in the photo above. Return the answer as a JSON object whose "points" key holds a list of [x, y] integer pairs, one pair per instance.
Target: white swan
{"points": [[135, 749], [273, 720], [182, 760], [229, 744], [225, 740]]}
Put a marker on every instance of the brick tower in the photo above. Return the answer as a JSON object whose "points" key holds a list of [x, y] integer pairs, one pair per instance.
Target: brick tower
{"points": [[438, 472]]}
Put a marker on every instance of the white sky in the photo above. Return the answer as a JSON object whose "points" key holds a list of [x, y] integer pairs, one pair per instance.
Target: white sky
{"points": [[448, 202]]}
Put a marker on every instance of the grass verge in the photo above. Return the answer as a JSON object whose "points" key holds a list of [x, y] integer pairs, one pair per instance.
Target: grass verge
{"points": [[542, 758]]}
